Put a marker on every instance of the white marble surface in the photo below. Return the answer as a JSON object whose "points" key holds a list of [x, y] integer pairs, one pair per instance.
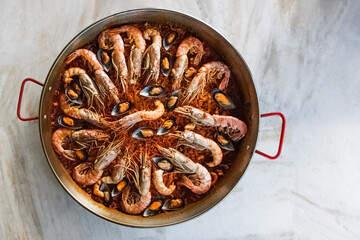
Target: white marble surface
{"points": [[305, 59]]}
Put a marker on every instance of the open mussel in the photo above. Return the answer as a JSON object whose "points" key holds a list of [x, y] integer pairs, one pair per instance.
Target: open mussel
{"points": [[118, 188], [163, 163], [224, 141], [154, 208], [222, 99], [104, 58], [143, 133], [74, 93], [153, 91], [166, 126], [169, 39], [106, 190], [81, 155], [173, 204], [69, 122], [173, 100], [121, 108], [166, 65]]}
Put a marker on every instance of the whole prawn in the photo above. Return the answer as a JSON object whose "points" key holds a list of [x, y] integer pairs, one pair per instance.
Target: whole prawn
{"points": [[86, 174], [152, 55], [232, 126], [60, 135], [112, 41], [90, 90], [137, 50], [208, 72], [199, 181], [160, 185], [192, 45], [104, 83], [142, 179], [130, 120], [199, 142], [83, 113]]}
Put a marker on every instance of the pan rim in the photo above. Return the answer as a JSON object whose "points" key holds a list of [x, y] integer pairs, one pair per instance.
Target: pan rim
{"points": [[56, 62]]}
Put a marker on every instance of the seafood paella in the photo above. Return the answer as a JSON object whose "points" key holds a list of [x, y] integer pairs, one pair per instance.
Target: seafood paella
{"points": [[146, 118]]}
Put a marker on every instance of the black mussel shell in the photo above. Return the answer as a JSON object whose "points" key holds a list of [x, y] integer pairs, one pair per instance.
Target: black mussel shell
{"points": [[166, 65], [81, 155], [154, 208], [173, 100], [69, 122], [105, 59], [163, 164], [169, 39], [118, 188], [173, 204], [222, 99], [74, 93], [153, 91], [106, 190], [121, 108], [143, 133], [224, 141], [166, 126]]}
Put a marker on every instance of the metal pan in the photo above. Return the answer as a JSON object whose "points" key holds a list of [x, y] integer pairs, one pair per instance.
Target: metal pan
{"points": [[241, 74]]}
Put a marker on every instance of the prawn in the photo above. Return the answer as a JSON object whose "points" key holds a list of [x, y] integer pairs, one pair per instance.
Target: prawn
{"points": [[81, 136], [113, 41], [82, 113], [160, 185], [207, 73], [86, 174], [104, 83], [90, 90], [137, 50], [197, 141], [192, 45], [199, 182], [142, 182], [130, 120], [232, 126], [135, 205], [152, 55]]}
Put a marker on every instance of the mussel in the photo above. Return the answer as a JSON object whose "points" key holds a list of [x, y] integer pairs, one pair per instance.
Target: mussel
{"points": [[154, 208], [74, 93], [166, 126], [105, 59], [169, 39], [81, 155], [121, 108], [173, 204], [222, 99], [106, 190], [143, 133], [69, 122], [118, 188], [224, 141], [173, 100], [166, 65], [163, 163], [153, 91]]}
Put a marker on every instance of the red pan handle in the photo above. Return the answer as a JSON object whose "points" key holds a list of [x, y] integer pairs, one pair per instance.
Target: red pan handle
{"points": [[20, 98], [281, 135]]}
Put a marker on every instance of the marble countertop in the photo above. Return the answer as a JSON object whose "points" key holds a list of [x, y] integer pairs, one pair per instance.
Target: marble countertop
{"points": [[305, 60]]}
